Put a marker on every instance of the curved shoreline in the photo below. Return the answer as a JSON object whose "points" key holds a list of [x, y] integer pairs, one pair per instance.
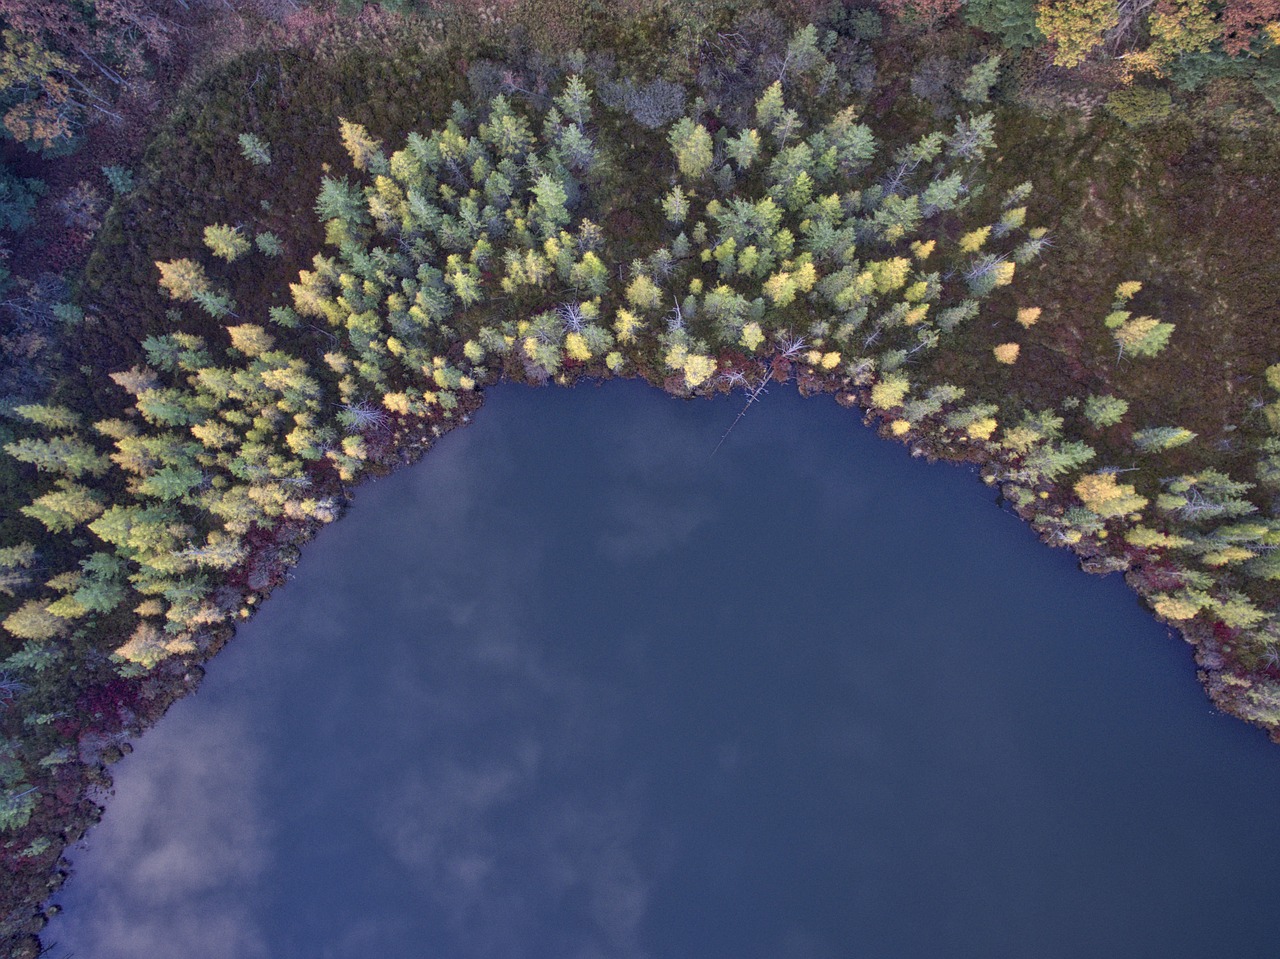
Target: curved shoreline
{"points": [[268, 565]]}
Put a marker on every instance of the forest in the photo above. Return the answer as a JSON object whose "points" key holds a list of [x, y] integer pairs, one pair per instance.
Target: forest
{"points": [[253, 252]]}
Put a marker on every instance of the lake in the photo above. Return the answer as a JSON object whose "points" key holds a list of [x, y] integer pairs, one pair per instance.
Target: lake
{"points": [[573, 686]]}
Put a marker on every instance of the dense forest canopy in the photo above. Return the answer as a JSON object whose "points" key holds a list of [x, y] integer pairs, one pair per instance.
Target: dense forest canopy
{"points": [[994, 226]]}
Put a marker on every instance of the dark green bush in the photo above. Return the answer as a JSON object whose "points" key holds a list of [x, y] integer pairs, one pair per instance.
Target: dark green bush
{"points": [[1138, 106]]}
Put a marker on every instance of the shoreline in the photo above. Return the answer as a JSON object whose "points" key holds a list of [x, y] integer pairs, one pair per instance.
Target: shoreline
{"points": [[140, 702]]}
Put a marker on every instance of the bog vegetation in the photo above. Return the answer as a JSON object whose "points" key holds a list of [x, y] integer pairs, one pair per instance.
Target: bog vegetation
{"points": [[987, 225]]}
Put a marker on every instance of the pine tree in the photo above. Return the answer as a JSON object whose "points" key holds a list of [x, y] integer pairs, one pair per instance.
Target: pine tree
{"points": [[67, 506], [32, 620], [1104, 411], [575, 100], [1102, 494], [182, 279], [256, 150], [270, 244], [743, 148], [692, 146], [1157, 439], [67, 456], [366, 152], [225, 242], [977, 85]]}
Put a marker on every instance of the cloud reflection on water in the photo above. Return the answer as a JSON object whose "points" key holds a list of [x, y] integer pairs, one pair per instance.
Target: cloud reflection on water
{"points": [[182, 842]]}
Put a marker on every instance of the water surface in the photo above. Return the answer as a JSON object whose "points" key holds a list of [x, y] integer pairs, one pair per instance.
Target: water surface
{"points": [[574, 687]]}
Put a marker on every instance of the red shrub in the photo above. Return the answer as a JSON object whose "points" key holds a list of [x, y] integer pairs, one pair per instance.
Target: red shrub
{"points": [[929, 13], [1243, 20]]}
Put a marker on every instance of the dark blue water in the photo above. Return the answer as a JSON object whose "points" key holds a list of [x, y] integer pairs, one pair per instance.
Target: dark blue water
{"points": [[574, 687]]}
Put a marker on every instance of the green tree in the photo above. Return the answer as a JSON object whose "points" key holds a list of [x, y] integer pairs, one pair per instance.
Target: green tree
{"points": [[1157, 439], [67, 456], [977, 85], [366, 152], [67, 506], [692, 146], [182, 279], [32, 620], [743, 148], [226, 242], [268, 243], [255, 149], [1106, 410], [1013, 21]]}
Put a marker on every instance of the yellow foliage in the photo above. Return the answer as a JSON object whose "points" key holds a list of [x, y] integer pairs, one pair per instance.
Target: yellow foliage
{"points": [[1176, 607], [1228, 555], [1137, 62], [149, 646], [806, 277], [1020, 439], [972, 242], [890, 392], [643, 293], [575, 344], [182, 279], [922, 249], [781, 288], [1272, 412], [915, 292], [1101, 493], [898, 427], [915, 314], [1127, 290], [698, 369], [251, 339], [1027, 316], [830, 360], [1145, 538], [752, 335], [1075, 28], [396, 402], [626, 326], [890, 275], [1007, 353], [1135, 331], [1273, 376], [981, 429], [362, 147], [1004, 272], [614, 361]]}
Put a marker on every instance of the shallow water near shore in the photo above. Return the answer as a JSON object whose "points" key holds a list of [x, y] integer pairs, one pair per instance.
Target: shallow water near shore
{"points": [[573, 686]]}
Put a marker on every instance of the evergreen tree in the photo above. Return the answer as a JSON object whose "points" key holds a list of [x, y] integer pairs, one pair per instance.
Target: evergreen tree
{"points": [[226, 242], [692, 146], [1157, 439], [366, 152], [256, 150], [182, 279], [1104, 411]]}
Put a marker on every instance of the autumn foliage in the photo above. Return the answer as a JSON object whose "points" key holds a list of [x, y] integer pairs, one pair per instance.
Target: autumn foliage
{"points": [[930, 13]]}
